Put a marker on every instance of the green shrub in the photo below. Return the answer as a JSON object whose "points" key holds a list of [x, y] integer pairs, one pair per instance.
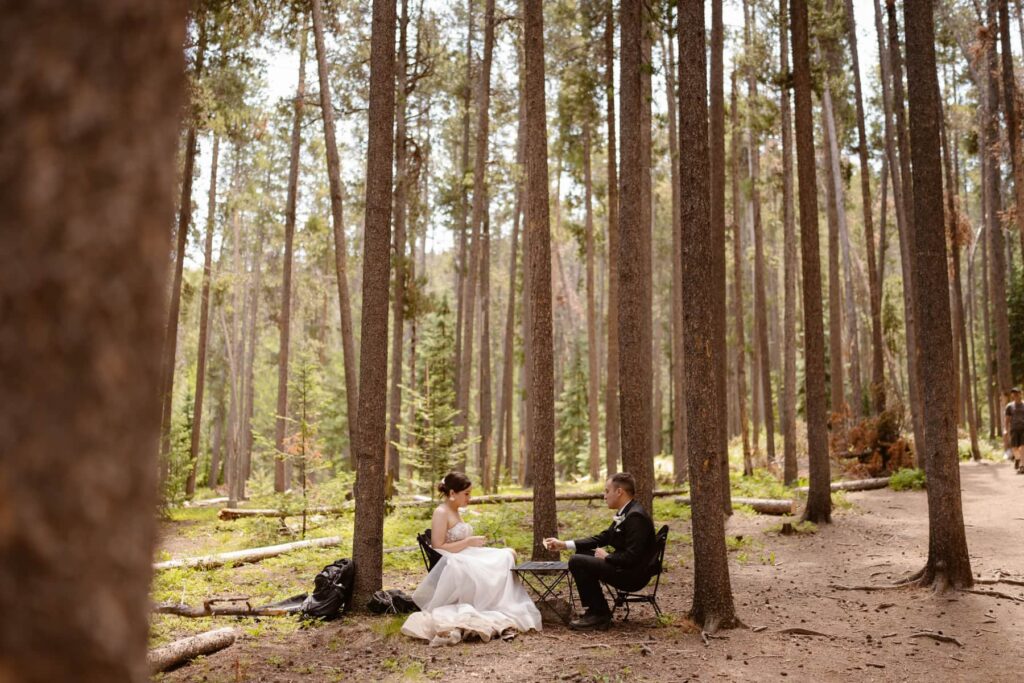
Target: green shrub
{"points": [[907, 480]]}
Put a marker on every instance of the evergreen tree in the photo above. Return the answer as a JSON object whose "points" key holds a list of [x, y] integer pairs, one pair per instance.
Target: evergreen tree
{"points": [[571, 442], [434, 435]]}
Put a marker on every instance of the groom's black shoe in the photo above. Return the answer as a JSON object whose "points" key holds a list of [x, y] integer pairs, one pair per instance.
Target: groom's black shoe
{"points": [[591, 621]]}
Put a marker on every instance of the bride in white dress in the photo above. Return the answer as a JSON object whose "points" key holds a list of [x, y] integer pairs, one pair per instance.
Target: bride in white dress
{"points": [[471, 590]]}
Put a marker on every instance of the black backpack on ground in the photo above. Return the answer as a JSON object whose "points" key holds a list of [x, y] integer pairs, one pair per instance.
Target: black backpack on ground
{"points": [[392, 601], [332, 592]]}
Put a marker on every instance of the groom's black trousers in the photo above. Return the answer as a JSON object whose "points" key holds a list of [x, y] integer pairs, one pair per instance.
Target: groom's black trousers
{"points": [[588, 572]]}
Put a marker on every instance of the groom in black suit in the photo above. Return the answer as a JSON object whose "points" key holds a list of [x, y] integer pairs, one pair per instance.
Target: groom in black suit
{"points": [[631, 535]]}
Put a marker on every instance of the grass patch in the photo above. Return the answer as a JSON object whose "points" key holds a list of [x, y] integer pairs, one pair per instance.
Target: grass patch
{"points": [[761, 484], [803, 528], [907, 480], [389, 627]]}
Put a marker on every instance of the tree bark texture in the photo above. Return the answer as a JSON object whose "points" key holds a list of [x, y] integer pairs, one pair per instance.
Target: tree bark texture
{"points": [[717, 163], [902, 139], [612, 433], [999, 270], [702, 244], [368, 532], [541, 368], [87, 170], [819, 500], [948, 560], [635, 380], [789, 462]]}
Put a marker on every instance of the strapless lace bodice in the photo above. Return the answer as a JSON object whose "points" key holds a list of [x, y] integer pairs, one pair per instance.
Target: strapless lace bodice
{"points": [[458, 532]]}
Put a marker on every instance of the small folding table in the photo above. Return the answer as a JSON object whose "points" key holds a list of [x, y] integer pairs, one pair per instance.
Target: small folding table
{"points": [[545, 580]]}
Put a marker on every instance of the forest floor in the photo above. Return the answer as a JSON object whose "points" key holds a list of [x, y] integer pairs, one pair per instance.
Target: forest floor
{"points": [[779, 582]]}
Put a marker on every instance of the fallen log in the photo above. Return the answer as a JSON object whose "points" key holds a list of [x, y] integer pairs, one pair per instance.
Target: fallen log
{"points": [[854, 485], [245, 556], [222, 607], [181, 651], [764, 506], [208, 502], [237, 513]]}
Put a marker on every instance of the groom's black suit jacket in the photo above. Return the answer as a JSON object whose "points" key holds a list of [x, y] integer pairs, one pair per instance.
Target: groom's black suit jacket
{"points": [[633, 541]]}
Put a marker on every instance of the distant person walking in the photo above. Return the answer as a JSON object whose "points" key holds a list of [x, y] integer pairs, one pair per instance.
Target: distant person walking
{"points": [[1013, 427]]}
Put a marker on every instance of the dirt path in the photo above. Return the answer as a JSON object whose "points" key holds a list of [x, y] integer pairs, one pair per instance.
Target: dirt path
{"points": [[779, 582]]}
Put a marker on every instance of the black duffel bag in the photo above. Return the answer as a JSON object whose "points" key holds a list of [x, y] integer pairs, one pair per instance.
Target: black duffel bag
{"points": [[392, 601], [332, 592]]}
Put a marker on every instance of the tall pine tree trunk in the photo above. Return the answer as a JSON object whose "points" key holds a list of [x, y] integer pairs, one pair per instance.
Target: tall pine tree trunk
{"points": [[87, 167], [253, 335], [282, 470], [760, 296], [819, 500], [835, 314], [612, 433], [170, 345], [1012, 121], [1004, 376], [233, 471], [204, 321], [593, 371], [507, 399], [338, 221], [948, 560], [874, 284], [370, 450], [717, 165], [680, 470], [634, 258], [398, 253], [541, 369], [703, 247], [789, 467], [959, 327], [463, 217], [905, 197], [737, 283], [486, 427]]}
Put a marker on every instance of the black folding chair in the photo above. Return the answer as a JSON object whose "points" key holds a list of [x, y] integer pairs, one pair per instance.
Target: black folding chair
{"points": [[430, 556], [650, 596]]}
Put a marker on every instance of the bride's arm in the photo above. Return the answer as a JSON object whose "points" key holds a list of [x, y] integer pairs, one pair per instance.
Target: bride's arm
{"points": [[439, 534]]}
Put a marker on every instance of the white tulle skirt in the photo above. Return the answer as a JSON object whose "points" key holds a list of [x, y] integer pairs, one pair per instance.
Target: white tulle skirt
{"points": [[472, 592]]}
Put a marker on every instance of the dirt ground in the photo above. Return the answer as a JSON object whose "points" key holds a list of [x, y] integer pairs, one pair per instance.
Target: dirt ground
{"points": [[779, 582]]}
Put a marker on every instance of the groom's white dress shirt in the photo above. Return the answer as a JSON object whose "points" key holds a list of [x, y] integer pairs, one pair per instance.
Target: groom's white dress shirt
{"points": [[617, 519]]}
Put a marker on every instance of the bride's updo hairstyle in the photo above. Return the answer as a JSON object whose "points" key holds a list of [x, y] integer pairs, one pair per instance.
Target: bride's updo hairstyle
{"points": [[454, 482]]}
